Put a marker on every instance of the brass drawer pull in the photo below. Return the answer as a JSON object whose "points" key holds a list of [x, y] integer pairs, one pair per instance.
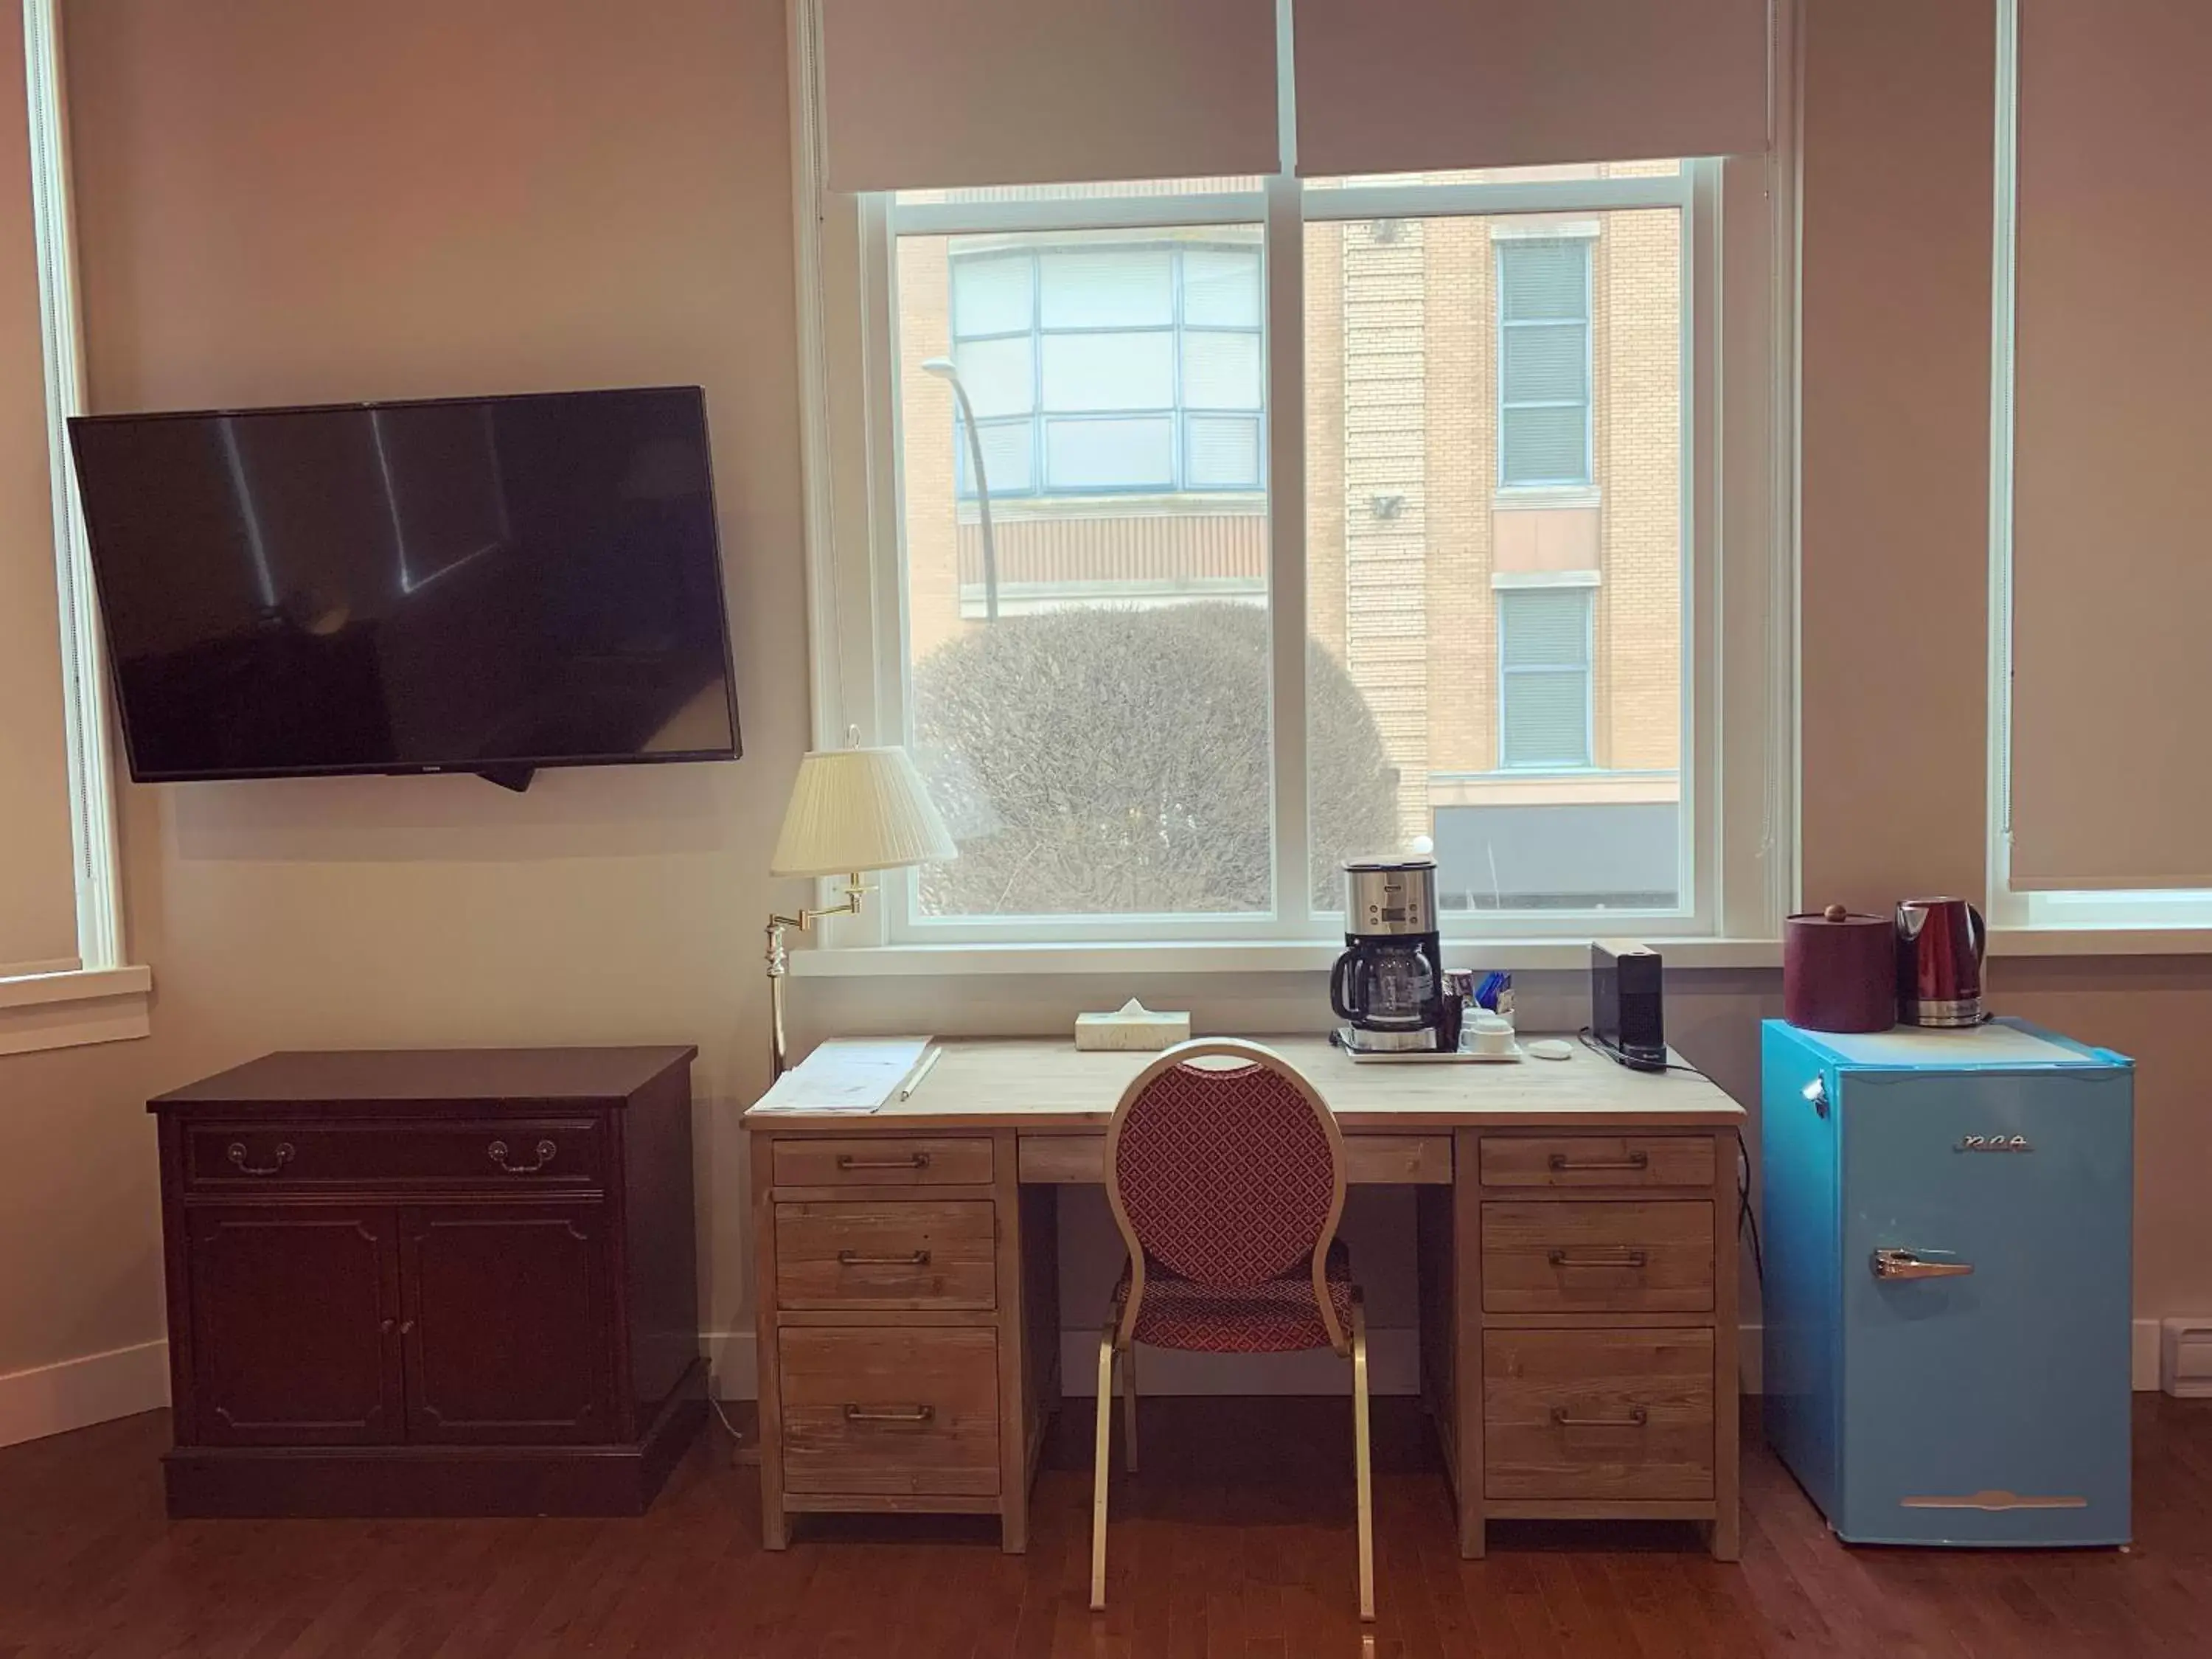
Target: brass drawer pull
{"points": [[284, 1155], [1597, 1259], [546, 1150], [890, 1413], [1562, 1419], [1633, 1161], [858, 1259], [911, 1161]]}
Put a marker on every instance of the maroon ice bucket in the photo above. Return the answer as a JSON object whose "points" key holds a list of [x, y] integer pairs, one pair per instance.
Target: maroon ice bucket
{"points": [[1840, 971]]}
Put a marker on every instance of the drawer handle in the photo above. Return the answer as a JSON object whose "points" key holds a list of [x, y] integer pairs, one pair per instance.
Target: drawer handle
{"points": [[861, 1259], [1633, 1161], [1562, 1419], [890, 1413], [911, 1161], [546, 1150], [1597, 1259], [284, 1155]]}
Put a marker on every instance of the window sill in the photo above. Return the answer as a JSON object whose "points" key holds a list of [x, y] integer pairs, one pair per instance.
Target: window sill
{"points": [[2061, 941], [1227, 956], [67, 1011]]}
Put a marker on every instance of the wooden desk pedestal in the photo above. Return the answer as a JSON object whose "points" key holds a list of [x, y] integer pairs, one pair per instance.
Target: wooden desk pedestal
{"points": [[1577, 1257]]}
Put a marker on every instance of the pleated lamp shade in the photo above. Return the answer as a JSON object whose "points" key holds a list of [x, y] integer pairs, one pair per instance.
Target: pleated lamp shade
{"points": [[859, 809]]}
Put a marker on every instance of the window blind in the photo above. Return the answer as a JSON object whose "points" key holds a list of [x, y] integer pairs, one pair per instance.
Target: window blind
{"points": [[972, 93], [38, 886], [1544, 695], [2111, 579], [1402, 86]]}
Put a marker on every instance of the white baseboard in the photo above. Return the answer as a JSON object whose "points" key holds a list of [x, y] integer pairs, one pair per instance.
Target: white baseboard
{"points": [[732, 1363], [78, 1392]]}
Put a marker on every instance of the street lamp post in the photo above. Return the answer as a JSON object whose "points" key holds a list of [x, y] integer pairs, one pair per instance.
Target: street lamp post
{"points": [[943, 368]]}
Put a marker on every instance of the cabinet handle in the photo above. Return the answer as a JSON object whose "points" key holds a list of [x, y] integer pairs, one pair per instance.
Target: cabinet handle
{"points": [[911, 1161], [282, 1155], [1597, 1259], [890, 1413], [857, 1259], [1911, 1264], [389, 1326], [546, 1150], [1633, 1161], [1562, 1419], [406, 1327]]}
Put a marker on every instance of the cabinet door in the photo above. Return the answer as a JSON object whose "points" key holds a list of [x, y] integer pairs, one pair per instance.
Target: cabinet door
{"points": [[293, 1325], [508, 1333]]}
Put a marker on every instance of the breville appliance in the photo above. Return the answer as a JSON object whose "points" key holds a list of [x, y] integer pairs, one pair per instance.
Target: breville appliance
{"points": [[1388, 985], [1940, 945], [1840, 971], [1627, 1016], [1947, 1226]]}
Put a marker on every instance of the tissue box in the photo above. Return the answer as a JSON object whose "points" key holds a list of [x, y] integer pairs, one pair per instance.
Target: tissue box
{"points": [[1132, 1026]]}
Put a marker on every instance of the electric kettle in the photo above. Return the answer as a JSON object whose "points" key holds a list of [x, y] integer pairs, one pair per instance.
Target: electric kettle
{"points": [[1940, 943]]}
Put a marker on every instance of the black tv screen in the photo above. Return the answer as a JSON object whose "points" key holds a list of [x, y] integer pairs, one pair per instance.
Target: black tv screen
{"points": [[490, 585]]}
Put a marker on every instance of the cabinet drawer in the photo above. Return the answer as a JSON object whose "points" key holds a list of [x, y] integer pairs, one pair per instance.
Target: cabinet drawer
{"points": [[497, 1153], [882, 1161], [886, 1254], [889, 1411], [1619, 1414], [1563, 1160], [1598, 1257]]}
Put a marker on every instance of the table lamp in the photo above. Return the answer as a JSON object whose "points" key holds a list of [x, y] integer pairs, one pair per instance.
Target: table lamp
{"points": [[852, 811]]}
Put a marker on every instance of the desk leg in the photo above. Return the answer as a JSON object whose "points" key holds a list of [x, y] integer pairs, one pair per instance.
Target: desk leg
{"points": [[1467, 1337], [1018, 1392], [1728, 1419], [775, 1529]]}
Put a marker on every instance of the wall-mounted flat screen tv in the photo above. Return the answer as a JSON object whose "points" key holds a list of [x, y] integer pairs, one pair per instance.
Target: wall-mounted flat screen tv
{"points": [[487, 584]]}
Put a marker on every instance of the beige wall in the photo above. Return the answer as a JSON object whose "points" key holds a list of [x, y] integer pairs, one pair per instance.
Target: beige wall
{"points": [[38, 897], [283, 202], [460, 194]]}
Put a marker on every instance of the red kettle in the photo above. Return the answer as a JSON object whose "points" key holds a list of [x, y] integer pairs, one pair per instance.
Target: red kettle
{"points": [[1940, 944]]}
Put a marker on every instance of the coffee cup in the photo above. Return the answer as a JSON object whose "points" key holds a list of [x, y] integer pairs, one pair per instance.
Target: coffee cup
{"points": [[1490, 1034]]}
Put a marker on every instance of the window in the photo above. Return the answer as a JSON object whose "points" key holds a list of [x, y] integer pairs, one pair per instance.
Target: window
{"points": [[1322, 518], [1098, 368], [1544, 685], [1544, 362]]}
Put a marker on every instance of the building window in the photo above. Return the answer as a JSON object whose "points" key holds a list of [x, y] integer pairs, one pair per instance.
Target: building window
{"points": [[1099, 368], [1544, 434], [1544, 678]]}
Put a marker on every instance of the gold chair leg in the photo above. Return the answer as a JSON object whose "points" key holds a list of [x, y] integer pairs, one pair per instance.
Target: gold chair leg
{"points": [[1129, 1407], [1102, 1466], [1361, 1452]]}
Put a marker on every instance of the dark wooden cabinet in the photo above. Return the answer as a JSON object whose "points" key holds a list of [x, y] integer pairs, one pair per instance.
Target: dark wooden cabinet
{"points": [[431, 1282]]}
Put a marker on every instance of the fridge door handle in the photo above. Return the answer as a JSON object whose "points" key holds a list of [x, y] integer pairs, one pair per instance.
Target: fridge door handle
{"points": [[1911, 1264]]}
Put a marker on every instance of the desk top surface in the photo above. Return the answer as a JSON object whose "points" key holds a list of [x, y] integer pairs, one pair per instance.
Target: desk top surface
{"points": [[1046, 1086]]}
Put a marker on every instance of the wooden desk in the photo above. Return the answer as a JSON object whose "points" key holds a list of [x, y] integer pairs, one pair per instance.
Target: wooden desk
{"points": [[1577, 1259]]}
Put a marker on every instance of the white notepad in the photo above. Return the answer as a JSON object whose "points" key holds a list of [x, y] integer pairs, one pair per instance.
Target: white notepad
{"points": [[847, 1074]]}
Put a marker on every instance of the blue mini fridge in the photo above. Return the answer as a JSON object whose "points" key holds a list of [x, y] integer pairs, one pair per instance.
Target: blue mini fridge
{"points": [[1947, 1293]]}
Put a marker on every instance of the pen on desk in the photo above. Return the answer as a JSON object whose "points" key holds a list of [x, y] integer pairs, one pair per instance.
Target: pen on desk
{"points": [[914, 1082]]}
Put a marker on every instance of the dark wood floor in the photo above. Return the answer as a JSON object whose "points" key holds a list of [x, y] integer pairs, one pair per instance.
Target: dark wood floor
{"points": [[1235, 1541]]}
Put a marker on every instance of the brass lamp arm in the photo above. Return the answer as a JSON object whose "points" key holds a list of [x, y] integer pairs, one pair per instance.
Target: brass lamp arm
{"points": [[856, 892]]}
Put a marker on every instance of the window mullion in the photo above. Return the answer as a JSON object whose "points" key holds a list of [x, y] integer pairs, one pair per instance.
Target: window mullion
{"points": [[1285, 270]]}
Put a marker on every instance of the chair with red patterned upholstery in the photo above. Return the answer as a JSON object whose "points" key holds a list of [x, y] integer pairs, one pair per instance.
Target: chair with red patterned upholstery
{"points": [[1227, 1181]]}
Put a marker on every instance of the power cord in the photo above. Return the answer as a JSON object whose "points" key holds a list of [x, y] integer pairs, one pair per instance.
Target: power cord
{"points": [[1746, 1220], [1598, 1045]]}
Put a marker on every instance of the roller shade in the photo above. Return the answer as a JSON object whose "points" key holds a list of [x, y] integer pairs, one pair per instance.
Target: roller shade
{"points": [[967, 93], [1403, 85], [2112, 492], [38, 886]]}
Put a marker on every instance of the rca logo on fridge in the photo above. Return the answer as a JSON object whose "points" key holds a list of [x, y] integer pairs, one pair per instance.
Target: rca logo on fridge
{"points": [[1994, 1144]]}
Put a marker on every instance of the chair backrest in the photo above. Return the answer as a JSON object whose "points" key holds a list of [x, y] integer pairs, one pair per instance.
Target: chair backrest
{"points": [[1229, 1176]]}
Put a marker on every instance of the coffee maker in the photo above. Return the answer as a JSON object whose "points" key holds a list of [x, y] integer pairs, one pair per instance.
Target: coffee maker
{"points": [[1388, 985]]}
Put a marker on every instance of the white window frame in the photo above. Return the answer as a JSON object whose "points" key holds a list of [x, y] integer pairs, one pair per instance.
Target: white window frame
{"points": [[103, 999], [2025, 923], [1739, 740]]}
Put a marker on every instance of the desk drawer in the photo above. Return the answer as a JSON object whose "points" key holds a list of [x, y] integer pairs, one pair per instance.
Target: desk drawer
{"points": [[562, 1153], [882, 1161], [1615, 1415], [1567, 1160], [1598, 1257], [886, 1254], [890, 1412]]}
